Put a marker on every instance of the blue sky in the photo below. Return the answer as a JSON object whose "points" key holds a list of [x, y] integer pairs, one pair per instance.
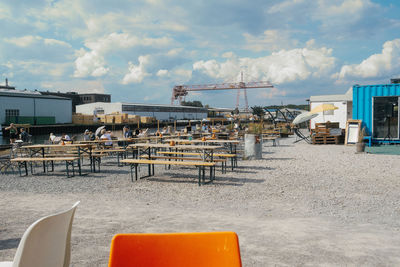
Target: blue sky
{"points": [[138, 50]]}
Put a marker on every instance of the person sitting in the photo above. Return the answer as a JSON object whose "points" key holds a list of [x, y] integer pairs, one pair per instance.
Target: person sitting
{"points": [[86, 136], [92, 137], [106, 135], [65, 138], [127, 133], [24, 136]]}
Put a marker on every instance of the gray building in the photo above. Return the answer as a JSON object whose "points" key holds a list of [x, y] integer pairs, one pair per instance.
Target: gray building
{"points": [[27, 107], [160, 112]]}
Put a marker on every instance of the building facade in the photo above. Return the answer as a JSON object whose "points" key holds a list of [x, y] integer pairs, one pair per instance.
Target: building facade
{"points": [[160, 112], [344, 103], [27, 107], [79, 99]]}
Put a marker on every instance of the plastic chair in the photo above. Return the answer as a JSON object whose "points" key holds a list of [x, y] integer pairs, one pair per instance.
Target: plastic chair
{"points": [[176, 249], [46, 243]]}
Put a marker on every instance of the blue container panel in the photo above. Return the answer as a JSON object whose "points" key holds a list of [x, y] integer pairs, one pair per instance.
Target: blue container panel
{"points": [[362, 101]]}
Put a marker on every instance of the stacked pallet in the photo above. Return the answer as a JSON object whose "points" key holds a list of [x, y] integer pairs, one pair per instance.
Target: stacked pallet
{"points": [[327, 133]]}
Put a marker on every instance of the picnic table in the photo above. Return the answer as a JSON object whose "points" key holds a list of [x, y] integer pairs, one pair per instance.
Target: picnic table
{"points": [[205, 151], [81, 149]]}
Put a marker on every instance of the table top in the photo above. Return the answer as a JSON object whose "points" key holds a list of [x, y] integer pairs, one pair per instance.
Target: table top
{"points": [[191, 147], [206, 141], [56, 145]]}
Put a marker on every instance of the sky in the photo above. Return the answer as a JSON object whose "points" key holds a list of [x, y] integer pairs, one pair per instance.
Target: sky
{"points": [[138, 50]]}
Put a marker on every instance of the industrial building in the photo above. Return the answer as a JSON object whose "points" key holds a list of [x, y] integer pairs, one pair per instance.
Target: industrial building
{"points": [[27, 107], [160, 112], [79, 99], [342, 114]]}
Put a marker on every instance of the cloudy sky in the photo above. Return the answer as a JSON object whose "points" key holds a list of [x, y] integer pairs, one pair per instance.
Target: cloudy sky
{"points": [[138, 50]]}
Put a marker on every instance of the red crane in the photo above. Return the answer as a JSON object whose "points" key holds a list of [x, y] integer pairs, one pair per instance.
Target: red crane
{"points": [[181, 91]]}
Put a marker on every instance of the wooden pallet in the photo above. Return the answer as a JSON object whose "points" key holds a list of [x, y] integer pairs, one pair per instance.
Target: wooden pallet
{"points": [[326, 139]]}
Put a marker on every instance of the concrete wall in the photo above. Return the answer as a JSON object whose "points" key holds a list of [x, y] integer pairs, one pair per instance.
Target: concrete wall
{"points": [[340, 115], [59, 108]]}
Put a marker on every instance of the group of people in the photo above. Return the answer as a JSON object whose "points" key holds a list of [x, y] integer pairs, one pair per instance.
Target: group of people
{"points": [[18, 135]]}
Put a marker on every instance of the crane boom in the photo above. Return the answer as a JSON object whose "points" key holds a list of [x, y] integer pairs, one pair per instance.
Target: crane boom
{"points": [[180, 91]]}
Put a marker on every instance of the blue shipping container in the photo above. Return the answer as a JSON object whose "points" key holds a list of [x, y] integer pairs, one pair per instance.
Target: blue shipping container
{"points": [[363, 96]]}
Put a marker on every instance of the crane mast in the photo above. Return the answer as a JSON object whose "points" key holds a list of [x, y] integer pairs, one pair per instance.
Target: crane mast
{"points": [[181, 91]]}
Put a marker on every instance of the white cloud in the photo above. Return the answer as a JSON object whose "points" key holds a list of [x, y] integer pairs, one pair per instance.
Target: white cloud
{"points": [[29, 40], [280, 67], [162, 73], [92, 63], [137, 73], [77, 85], [182, 74], [385, 63], [270, 40]]}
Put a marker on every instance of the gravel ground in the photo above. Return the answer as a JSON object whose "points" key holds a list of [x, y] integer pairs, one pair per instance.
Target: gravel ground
{"points": [[300, 205]]}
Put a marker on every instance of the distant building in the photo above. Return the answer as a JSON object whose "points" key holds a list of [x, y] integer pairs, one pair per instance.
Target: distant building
{"points": [[79, 99], [27, 107], [7, 87], [160, 112]]}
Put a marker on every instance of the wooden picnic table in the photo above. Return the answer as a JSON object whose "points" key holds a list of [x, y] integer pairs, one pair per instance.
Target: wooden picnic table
{"points": [[206, 150], [82, 149]]}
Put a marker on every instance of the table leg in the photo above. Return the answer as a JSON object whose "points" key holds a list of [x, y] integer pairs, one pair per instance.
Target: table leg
{"points": [[44, 163]]}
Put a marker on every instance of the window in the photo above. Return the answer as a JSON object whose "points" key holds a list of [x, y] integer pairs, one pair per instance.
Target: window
{"points": [[386, 117], [12, 112]]}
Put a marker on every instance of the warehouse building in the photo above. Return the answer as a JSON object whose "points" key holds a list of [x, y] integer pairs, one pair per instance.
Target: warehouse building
{"points": [[27, 107], [160, 112]]}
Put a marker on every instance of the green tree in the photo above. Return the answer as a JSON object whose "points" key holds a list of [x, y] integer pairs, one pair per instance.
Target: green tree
{"points": [[192, 103], [258, 110]]}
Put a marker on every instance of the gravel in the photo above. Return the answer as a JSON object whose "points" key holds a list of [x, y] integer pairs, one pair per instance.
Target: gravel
{"points": [[300, 205]]}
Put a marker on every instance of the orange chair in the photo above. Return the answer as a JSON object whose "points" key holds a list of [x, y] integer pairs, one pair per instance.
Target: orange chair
{"points": [[216, 249]]}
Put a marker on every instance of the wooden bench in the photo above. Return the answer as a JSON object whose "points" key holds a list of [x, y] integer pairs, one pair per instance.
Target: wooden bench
{"points": [[233, 157], [223, 161], [274, 139], [22, 162], [201, 165]]}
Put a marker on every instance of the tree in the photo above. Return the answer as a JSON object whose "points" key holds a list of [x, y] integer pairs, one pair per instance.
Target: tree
{"points": [[259, 111], [192, 103]]}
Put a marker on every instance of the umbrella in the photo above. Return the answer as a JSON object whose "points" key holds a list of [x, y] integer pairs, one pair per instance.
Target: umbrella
{"points": [[98, 130], [323, 107], [303, 117]]}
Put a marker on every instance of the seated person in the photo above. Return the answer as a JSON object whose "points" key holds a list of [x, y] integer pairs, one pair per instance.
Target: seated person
{"points": [[86, 136], [127, 133], [65, 137], [106, 135], [24, 136]]}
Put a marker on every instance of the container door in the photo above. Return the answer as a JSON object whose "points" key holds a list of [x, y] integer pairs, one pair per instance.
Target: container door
{"points": [[386, 117]]}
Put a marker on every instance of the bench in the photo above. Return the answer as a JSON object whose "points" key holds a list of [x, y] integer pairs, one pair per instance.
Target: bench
{"points": [[201, 165], [223, 161], [233, 157], [22, 162]]}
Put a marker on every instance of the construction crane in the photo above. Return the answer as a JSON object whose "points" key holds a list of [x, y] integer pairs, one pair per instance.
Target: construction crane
{"points": [[181, 91]]}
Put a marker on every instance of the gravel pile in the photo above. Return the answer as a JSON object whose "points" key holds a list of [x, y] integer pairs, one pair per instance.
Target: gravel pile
{"points": [[300, 204]]}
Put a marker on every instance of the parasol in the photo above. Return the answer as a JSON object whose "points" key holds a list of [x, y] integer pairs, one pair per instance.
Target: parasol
{"points": [[323, 107], [303, 117], [98, 130]]}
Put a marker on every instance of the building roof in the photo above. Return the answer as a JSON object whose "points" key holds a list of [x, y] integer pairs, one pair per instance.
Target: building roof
{"points": [[137, 104], [348, 96], [28, 94]]}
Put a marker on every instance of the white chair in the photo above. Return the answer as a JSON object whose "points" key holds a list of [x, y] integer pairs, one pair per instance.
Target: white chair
{"points": [[46, 243]]}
